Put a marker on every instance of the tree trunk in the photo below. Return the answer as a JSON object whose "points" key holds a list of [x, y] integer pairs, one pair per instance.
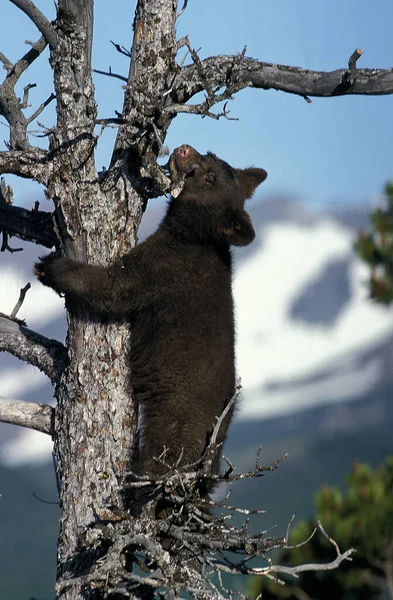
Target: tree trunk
{"points": [[95, 417]]}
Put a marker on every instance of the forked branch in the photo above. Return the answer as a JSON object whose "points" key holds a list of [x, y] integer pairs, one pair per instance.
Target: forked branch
{"points": [[11, 107], [294, 571]]}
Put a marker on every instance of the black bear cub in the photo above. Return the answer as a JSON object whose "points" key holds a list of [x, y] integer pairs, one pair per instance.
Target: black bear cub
{"points": [[175, 291]]}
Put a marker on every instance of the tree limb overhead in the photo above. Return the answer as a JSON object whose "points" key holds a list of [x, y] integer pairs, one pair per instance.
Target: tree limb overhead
{"points": [[236, 73]]}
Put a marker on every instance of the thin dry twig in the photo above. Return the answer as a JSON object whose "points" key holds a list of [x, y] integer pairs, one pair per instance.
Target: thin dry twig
{"points": [[183, 8], [110, 74], [122, 49], [39, 110], [22, 296], [26, 89]]}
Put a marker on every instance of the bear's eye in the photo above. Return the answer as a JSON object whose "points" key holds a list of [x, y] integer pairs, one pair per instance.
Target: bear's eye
{"points": [[209, 179]]}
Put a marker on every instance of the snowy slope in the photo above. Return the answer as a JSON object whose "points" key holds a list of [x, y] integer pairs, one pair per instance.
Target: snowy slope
{"points": [[275, 346]]}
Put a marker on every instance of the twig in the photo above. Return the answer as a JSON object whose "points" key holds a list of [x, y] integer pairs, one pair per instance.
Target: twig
{"points": [[41, 108], [356, 54], [110, 74], [27, 59], [200, 109], [110, 121], [182, 42], [7, 63], [294, 571], [122, 49], [22, 295], [43, 501], [349, 77], [26, 89], [181, 11], [164, 150], [6, 193], [227, 409], [39, 20]]}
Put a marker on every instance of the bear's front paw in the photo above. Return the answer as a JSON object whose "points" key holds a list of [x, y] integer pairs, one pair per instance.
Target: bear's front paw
{"points": [[45, 269]]}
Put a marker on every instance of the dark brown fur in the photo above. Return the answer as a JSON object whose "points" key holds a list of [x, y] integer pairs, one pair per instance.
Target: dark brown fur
{"points": [[175, 291]]}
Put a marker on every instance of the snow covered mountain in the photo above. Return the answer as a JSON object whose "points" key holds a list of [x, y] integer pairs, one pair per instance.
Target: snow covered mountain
{"points": [[306, 332], [305, 326]]}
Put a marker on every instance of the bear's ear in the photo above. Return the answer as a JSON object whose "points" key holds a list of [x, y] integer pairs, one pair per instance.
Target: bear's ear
{"points": [[239, 231], [250, 179]]}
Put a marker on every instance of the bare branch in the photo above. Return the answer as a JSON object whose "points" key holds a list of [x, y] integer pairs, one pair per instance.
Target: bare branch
{"points": [[29, 163], [110, 74], [181, 11], [10, 105], [39, 20], [39, 417], [5, 245], [225, 412], [27, 59], [122, 50], [199, 109], [351, 74], [30, 225], [110, 121], [7, 63], [48, 355], [26, 89], [230, 71], [39, 110], [294, 571], [356, 54]]}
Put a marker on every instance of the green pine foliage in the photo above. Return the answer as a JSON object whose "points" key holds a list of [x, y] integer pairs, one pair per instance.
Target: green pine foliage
{"points": [[361, 518], [376, 249]]}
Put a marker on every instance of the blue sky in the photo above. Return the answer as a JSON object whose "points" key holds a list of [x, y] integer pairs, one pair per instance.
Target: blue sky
{"points": [[332, 151]]}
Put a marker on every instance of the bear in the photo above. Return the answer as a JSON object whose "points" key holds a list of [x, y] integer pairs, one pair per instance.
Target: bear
{"points": [[175, 291]]}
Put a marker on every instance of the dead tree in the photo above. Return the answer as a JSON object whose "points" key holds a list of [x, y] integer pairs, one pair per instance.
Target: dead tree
{"points": [[95, 219]]}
